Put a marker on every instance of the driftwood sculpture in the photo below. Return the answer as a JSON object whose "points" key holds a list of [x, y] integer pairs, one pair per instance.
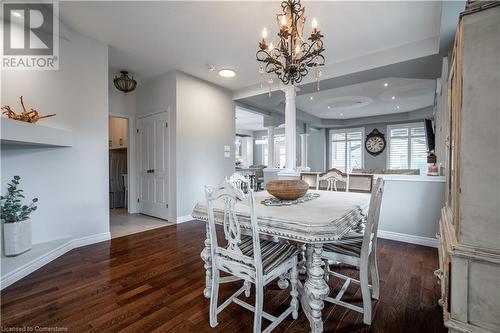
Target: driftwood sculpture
{"points": [[27, 116]]}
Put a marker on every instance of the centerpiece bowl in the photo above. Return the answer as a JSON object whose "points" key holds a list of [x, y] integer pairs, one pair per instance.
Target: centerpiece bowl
{"points": [[291, 189]]}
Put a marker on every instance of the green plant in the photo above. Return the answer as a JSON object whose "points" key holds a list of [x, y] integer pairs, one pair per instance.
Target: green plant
{"points": [[11, 209]]}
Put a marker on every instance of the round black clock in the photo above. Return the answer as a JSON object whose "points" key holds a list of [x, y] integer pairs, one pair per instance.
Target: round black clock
{"points": [[375, 142]]}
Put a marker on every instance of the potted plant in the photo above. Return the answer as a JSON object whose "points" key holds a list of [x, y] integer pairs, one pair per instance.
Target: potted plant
{"points": [[15, 218]]}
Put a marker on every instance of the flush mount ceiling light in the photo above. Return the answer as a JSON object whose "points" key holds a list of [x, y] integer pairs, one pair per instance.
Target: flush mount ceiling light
{"points": [[226, 72], [124, 82]]}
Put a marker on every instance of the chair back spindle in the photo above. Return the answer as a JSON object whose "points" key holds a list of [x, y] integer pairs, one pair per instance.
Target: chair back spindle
{"points": [[230, 196], [372, 220]]}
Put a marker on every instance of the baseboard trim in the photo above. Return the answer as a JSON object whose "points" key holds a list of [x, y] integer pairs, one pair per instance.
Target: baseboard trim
{"points": [[182, 219], [425, 241], [47, 257]]}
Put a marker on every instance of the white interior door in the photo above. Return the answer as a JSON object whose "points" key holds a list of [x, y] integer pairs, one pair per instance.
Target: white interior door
{"points": [[153, 165]]}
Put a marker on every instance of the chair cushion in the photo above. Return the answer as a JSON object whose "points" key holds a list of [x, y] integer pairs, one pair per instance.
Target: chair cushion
{"points": [[349, 245], [273, 253]]}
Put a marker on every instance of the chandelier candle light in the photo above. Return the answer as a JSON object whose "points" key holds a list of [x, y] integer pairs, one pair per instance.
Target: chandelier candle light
{"points": [[291, 59]]}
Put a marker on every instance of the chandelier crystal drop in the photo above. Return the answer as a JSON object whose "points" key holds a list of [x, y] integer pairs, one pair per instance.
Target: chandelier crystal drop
{"points": [[292, 57]]}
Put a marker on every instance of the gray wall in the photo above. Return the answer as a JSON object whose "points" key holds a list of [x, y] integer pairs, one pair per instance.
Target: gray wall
{"points": [[371, 123], [71, 183], [155, 96], [317, 149], [205, 124]]}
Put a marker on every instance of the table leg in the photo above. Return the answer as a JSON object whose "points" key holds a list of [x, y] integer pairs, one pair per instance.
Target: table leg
{"points": [[315, 287], [205, 256]]}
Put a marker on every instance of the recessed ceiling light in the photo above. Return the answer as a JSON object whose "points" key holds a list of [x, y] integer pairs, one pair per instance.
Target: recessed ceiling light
{"points": [[329, 107], [311, 98], [393, 97], [386, 84], [341, 114], [227, 72], [397, 107]]}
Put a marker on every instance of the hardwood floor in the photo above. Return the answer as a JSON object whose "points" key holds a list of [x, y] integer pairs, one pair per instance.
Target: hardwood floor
{"points": [[153, 281]]}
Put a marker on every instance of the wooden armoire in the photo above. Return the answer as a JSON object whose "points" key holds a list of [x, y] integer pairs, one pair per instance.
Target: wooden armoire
{"points": [[469, 118]]}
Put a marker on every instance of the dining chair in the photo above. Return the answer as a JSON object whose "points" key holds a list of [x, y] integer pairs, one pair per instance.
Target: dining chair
{"points": [[239, 181], [358, 248], [331, 177], [246, 257]]}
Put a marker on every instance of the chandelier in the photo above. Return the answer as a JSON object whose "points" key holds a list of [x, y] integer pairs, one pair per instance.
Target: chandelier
{"points": [[292, 57], [124, 82]]}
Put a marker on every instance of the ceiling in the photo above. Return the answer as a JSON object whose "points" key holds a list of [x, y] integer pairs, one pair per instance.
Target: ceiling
{"points": [[152, 38], [373, 98], [248, 121]]}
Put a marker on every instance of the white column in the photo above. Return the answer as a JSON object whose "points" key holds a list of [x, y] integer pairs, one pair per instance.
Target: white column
{"points": [[290, 133], [303, 151], [270, 147]]}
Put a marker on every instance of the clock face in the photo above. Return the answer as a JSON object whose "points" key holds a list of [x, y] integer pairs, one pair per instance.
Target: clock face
{"points": [[375, 143]]}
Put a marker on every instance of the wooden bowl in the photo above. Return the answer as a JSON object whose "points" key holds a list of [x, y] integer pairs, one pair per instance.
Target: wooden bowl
{"points": [[287, 189]]}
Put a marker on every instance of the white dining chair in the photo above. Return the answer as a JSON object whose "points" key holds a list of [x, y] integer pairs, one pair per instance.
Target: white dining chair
{"points": [[358, 248], [331, 177], [246, 257], [239, 181]]}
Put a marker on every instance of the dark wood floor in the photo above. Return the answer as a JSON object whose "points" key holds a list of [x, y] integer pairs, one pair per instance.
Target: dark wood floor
{"points": [[153, 281]]}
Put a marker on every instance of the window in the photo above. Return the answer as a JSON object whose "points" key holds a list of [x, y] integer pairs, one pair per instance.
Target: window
{"points": [[279, 151], [347, 148], [407, 147]]}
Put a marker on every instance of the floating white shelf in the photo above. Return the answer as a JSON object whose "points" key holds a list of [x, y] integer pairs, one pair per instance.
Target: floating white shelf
{"points": [[15, 132]]}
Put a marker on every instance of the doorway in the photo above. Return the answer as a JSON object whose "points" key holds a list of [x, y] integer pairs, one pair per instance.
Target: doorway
{"points": [[123, 144], [118, 163]]}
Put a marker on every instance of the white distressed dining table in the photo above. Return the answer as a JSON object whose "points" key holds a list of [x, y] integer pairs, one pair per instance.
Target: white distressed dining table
{"points": [[311, 224]]}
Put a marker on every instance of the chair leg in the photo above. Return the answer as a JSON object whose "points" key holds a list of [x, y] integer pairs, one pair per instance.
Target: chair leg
{"points": [[259, 302], [374, 274], [247, 288], [213, 297], [294, 274], [365, 291]]}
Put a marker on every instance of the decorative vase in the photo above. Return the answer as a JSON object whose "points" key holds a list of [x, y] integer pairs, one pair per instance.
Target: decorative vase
{"points": [[17, 237]]}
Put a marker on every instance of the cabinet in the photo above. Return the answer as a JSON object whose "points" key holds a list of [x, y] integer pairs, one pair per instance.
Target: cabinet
{"points": [[118, 133], [469, 235]]}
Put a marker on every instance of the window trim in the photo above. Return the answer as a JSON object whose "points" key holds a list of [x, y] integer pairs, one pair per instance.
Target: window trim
{"points": [[388, 139], [346, 130]]}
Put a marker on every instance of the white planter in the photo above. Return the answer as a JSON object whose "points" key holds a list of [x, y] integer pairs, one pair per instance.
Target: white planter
{"points": [[17, 237]]}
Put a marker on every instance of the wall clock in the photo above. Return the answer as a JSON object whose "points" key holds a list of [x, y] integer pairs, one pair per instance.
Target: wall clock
{"points": [[375, 142]]}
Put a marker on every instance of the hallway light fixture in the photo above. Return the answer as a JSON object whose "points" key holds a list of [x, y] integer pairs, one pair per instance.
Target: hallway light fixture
{"points": [[124, 82], [292, 57]]}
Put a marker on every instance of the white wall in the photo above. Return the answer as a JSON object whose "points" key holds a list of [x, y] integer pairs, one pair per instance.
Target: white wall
{"points": [[71, 183], [205, 124], [125, 105]]}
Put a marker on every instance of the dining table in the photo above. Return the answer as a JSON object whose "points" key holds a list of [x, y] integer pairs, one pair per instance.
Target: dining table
{"points": [[310, 224]]}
